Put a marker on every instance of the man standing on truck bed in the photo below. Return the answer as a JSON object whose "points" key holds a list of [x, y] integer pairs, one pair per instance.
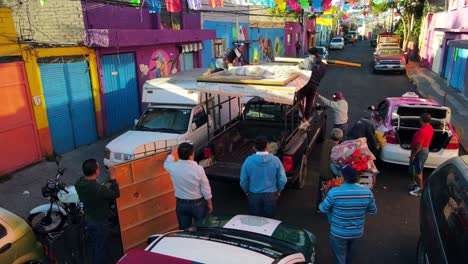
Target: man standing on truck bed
{"points": [[262, 179], [191, 186], [315, 64], [230, 55]]}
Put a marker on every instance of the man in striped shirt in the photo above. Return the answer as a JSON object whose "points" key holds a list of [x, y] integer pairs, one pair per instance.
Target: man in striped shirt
{"points": [[346, 207]]}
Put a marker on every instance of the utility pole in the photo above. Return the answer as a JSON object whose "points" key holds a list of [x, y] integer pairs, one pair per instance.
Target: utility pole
{"points": [[392, 20]]}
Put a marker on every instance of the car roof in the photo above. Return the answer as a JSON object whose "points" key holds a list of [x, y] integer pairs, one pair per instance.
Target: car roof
{"points": [[208, 244], [15, 222], [461, 162], [412, 101]]}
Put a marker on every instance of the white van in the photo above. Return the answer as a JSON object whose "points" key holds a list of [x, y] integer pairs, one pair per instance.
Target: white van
{"points": [[176, 113]]}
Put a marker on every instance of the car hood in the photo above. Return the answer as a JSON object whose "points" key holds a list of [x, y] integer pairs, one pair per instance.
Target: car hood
{"points": [[128, 142], [14, 222], [380, 57]]}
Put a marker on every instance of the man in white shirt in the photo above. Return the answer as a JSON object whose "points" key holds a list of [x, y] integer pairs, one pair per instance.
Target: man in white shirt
{"points": [[192, 189]]}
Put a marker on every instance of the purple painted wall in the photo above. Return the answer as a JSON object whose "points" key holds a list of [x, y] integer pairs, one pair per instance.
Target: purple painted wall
{"points": [[292, 29], [117, 17]]}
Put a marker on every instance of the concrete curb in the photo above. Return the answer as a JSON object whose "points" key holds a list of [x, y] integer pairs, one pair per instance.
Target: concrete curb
{"points": [[456, 124]]}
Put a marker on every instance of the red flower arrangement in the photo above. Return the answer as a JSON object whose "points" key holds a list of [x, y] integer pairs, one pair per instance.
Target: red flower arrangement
{"points": [[358, 161]]}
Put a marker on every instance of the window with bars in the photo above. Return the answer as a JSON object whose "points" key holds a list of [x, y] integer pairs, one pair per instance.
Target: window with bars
{"points": [[219, 46]]}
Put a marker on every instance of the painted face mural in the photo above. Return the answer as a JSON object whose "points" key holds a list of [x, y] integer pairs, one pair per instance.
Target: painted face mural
{"points": [[266, 48], [158, 65]]}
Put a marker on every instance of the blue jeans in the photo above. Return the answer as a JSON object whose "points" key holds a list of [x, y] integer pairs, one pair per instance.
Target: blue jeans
{"points": [[343, 249], [187, 210], [99, 234], [417, 165], [262, 204], [343, 127]]}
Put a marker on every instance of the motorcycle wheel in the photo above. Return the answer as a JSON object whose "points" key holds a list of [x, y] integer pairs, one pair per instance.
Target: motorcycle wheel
{"points": [[44, 225]]}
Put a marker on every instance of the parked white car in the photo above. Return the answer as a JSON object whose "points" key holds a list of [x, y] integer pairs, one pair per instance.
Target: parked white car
{"points": [[337, 43], [398, 120]]}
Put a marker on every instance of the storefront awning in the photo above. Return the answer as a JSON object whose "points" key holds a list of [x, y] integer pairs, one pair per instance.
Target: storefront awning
{"points": [[460, 43]]}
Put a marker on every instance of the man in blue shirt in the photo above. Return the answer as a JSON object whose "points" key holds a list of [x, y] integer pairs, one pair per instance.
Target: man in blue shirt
{"points": [[346, 207], [262, 179]]}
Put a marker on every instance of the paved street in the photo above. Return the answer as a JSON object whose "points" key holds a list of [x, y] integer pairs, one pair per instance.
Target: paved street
{"points": [[390, 236]]}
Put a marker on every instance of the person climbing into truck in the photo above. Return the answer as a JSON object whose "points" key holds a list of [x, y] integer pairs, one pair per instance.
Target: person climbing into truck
{"points": [[315, 64], [230, 55]]}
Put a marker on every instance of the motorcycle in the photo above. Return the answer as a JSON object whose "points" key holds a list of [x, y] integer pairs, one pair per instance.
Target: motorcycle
{"points": [[63, 204]]}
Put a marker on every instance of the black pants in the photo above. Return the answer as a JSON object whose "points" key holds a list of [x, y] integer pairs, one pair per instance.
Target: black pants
{"points": [[262, 204], [308, 92], [99, 234]]}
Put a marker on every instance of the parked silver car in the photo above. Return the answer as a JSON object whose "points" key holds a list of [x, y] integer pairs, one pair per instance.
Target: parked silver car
{"points": [[337, 43]]}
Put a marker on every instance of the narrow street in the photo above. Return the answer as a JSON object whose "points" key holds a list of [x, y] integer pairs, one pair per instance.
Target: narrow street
{"points": [[390, 236]]}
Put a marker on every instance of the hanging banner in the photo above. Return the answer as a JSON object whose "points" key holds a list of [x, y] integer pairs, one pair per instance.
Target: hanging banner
{"points": [[240, 2], [154, 6], [173, 6], [216, 3], [317, 6], [293, 5], [194, 4]]}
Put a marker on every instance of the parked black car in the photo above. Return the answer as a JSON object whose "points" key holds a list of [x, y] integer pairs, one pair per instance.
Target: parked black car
{"points": [[444, 214]]}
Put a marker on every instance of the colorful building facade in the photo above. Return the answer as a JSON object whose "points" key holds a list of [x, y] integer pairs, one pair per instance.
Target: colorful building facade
{"points": [[140, 47], [443, 46]]}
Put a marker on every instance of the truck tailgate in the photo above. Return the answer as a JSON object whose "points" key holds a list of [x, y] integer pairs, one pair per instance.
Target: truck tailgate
{"points": [[224, 172]]}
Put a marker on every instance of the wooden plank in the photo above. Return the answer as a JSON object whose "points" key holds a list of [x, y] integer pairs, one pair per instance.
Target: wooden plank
{"points": [[222, 77]]}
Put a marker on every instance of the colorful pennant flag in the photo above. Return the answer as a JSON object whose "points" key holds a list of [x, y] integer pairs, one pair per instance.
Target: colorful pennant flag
{"points": [[280, 4], [327, 5], [173, 6], [216, 3], [293, 5], [317, 5], [240, 2], [154, 6], [194, 4]]}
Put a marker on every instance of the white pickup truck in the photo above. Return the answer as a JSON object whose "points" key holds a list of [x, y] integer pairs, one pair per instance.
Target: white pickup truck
{"points": [[176, 113]]}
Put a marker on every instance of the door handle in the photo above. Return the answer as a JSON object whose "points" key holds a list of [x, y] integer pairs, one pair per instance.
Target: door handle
{"points": [[5, 248]]}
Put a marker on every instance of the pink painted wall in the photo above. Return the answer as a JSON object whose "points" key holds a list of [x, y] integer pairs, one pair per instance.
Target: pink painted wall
{"points": [[291, 28], [455, 19]]}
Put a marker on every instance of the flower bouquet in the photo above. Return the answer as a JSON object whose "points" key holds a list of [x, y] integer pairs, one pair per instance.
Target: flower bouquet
{"points": [[354, 153], [327, 186]]}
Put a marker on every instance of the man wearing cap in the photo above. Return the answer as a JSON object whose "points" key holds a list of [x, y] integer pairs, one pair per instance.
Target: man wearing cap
{"points": [[339, 110], [315, 64], [262, 179], [230, 55], [346, 207], [191, 186]]}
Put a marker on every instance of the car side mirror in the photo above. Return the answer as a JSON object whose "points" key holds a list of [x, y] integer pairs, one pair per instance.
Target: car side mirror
{"points": [[371, 107], [194, 126], [136, 122]]}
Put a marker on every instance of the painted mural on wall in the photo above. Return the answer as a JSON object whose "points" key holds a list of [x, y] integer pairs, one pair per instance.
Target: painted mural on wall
{"points": [[160, 65], [266, 50]]}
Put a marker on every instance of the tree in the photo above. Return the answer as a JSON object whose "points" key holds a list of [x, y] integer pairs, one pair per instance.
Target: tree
{"points": [[408, 10]]}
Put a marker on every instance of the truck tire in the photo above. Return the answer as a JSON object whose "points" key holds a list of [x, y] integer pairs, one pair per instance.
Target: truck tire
{"points": [[302, 173]]}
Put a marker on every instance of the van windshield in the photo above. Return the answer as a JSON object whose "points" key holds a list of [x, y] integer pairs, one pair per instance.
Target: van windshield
{"points": [[170, 120]]}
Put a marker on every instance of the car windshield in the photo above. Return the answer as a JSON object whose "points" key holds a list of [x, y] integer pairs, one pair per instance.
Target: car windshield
{"points": [[171, 120], [390, 52], [336, 40]]}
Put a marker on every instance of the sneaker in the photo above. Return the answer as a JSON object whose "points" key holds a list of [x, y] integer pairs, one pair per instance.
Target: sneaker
{"points": [[304, 125], [416, 192], [412, 186]]}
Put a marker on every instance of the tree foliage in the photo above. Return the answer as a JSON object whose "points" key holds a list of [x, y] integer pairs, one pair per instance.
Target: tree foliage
{"points": [[410, 12]]}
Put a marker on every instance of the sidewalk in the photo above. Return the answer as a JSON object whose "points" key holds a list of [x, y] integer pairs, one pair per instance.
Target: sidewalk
{"points": [[431, 85]]}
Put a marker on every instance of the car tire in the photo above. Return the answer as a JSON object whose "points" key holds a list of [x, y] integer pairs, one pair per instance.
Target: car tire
{"points": [[421, 253], [36, 222]]}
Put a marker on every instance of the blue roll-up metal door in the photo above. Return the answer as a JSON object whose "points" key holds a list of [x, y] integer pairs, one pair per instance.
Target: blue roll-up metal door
{"points": [[69, 104], [458, 69], [121, 91], [448, 62]]}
